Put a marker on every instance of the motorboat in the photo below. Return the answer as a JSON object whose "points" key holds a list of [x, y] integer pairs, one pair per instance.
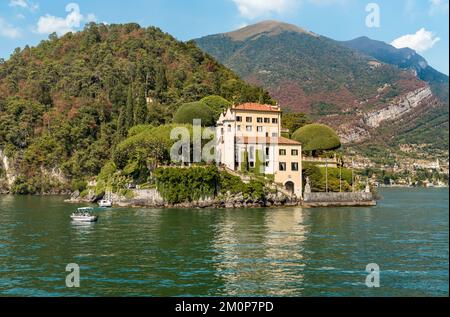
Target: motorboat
{"points": [[84, 215], [105, 203]]}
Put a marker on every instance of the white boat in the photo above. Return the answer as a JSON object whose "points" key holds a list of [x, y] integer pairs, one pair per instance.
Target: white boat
{"points": [[105, 203], [84, 215]]}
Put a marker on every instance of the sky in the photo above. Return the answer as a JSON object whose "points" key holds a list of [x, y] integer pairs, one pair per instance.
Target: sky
{"points": [[419, 24]]}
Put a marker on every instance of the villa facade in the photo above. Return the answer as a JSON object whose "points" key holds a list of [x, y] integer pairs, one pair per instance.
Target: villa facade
{"points": [[249, 137]]}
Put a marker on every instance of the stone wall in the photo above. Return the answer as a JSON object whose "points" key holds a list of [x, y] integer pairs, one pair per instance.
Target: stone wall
{"points": [[338, 197], [141, 197]]}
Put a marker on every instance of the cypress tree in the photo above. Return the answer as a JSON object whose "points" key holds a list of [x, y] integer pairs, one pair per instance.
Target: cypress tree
{"points": [[129, 115], [141, 109], [160, 81], [121, 124]]}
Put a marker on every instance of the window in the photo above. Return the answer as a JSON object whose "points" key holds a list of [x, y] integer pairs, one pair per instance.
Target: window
{"points": [[229, 128], [294, 152], [239, 128], [282, 166], [294, 167], [259, 120], [249, 119], [282, 152], [274, 135], [259, 129], [266, 120], [275, 121], [267, 164], [248, 128], [267, 151], [252, 164], [239, 119]]}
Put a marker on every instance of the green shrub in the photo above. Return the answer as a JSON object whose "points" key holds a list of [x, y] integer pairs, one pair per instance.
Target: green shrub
{"points": [[195, 110], [254, 190], [138, 129], [79, 185], [23, 186], [234, 185], [231, 183], [178, 185], [217, 105], [317, 137]]}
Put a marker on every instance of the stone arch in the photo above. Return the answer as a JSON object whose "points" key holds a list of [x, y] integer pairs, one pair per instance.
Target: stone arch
{"points": [[290, 187]]}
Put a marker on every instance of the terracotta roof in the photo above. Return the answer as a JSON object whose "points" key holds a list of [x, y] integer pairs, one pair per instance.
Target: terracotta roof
{"points": [[257, 107], [266, 140]]}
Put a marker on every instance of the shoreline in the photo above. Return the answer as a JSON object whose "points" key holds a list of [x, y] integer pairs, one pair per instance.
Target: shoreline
{"points": [[222, 203]]}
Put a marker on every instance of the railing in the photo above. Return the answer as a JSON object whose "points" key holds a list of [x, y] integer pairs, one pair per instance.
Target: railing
{"points": [[320, 159]]}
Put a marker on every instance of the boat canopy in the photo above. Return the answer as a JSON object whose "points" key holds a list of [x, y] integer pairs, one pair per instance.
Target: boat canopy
{"points": [[85, 209]]}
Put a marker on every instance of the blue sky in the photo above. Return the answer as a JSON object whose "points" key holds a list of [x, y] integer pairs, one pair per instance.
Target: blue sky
{"points": [[419, 24]]}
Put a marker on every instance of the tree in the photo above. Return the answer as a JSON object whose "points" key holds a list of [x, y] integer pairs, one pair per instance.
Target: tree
{"points": [[160, 81], [122, 124], [217, 104], [60, 110], [317, 137], [129, 116], [195, 110], [245, 162], [294, 121], [141, 109]]}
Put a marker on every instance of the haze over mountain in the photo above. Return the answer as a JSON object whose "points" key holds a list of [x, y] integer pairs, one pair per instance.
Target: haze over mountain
{"points": [[368, 90]]}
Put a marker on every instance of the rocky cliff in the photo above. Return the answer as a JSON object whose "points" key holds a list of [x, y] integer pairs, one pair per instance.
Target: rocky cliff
{"points": [[7, 175], [399, 107], [364, 126]]}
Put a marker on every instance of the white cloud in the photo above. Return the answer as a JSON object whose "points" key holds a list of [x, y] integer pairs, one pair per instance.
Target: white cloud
{"points": [[25, 4], [48, 24], [438, 6], [421, 41], [91, 18], [7, 30], [252, 9]]}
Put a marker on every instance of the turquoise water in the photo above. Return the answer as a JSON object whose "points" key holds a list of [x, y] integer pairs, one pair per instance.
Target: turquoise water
{"points": [[275, 252]]}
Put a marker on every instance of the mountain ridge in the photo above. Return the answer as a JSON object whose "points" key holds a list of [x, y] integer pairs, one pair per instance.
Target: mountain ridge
{"points": [[336, 83]]}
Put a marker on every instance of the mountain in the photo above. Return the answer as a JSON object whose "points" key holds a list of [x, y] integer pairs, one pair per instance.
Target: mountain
{"points": [[370, 101], [65, 103], [404, 58]]}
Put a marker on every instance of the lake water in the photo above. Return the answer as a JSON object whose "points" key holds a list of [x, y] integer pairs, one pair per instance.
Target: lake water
{"points": [[280, 252]]}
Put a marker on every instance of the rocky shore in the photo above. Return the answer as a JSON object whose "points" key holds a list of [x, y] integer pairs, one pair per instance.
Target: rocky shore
{"points": [[150, 198]]}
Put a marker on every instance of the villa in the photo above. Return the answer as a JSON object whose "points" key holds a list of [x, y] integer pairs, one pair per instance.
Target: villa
{"points": [[249, 137]]}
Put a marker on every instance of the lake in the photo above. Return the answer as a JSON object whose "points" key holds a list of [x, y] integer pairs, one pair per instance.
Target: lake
{"points": [[244, 252]]}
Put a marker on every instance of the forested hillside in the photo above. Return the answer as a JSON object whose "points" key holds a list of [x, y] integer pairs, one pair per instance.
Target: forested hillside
{"points": [[66, 103]]}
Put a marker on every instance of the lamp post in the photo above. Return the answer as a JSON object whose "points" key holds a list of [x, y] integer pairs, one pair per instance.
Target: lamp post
{"points": [[326, 174]]}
